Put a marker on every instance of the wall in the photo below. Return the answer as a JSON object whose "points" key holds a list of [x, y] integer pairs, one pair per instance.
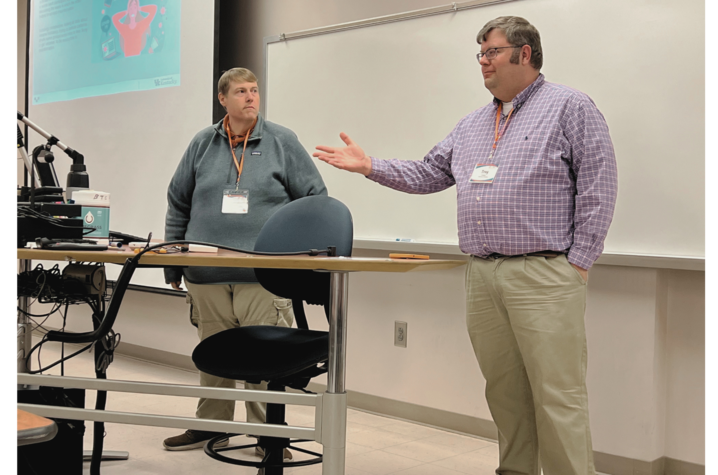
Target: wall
{"points": [[685, 366], [645, 327], [21, 40]]}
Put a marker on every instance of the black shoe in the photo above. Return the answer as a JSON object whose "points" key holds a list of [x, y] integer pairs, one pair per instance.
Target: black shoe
{"points": [[193, 439]]}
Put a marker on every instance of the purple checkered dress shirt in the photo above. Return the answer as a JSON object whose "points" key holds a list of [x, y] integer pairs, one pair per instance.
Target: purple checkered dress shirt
{"points": [[556, 184]]}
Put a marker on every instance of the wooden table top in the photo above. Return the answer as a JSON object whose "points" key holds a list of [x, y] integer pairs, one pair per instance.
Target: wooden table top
{"points": [[32, 429], [224, 258], [27, 420]]}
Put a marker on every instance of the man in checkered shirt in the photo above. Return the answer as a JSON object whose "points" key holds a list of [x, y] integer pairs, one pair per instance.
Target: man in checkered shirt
{"points": [[536, 183]]}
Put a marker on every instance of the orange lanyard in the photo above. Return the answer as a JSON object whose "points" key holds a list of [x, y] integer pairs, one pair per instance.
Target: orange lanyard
{"points": [[497, 134], [240, 164]]}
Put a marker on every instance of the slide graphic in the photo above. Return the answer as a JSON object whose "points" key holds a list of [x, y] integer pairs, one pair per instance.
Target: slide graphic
{"points": [[133, 25], [90, 48]]}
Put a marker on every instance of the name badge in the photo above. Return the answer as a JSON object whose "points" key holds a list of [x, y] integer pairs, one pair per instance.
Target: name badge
{"points": [[484, 173], [235, 202]]}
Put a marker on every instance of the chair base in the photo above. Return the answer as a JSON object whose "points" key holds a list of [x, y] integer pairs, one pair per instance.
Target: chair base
{"points": [[269, 464]]}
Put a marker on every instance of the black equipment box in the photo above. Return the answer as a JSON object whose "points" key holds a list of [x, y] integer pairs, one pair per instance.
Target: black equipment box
{"points": [[28, 229], [62, 454], [56, 209]]}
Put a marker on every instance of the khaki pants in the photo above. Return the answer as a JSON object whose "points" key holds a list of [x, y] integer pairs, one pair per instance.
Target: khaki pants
{"points": [[220, 307], [525, 317]]}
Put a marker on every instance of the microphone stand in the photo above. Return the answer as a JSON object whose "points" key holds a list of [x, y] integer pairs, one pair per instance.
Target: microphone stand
{"points": [[77, 178], [23, 154]]}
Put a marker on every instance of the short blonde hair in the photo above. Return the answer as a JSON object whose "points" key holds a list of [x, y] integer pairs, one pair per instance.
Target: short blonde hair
{"points": [[239, 75]]}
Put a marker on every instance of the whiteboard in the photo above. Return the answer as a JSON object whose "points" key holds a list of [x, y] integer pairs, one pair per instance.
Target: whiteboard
{"points": [[399, 88]]}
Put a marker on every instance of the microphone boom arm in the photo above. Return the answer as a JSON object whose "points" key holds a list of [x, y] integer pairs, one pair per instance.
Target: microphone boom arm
{"points": [[77, 157], [77, 178]]}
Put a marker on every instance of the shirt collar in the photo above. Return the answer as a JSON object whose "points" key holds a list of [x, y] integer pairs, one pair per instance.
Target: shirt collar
{"points": [[256, 133], [524, 95]]}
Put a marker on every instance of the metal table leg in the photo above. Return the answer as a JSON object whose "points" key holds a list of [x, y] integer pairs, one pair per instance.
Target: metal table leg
{"points": [[334, 408], [106, 455], [24, 329]]}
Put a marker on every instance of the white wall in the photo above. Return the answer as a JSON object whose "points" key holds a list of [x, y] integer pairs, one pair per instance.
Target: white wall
{"points": [[685, 366], [21, 32], [645, 327]]}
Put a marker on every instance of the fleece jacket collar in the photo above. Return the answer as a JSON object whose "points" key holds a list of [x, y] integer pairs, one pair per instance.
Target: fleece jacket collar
{"points": [[256, 133]]}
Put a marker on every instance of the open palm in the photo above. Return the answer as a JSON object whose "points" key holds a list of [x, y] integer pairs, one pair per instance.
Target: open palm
{"points": [[351, 157]]}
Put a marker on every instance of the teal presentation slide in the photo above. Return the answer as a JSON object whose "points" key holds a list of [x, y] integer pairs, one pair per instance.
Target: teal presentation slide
{"points": [[85, 48]]}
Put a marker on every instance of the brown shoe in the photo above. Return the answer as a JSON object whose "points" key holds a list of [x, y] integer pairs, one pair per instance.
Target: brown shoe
{"points": [[193, 439], [260, 451]]}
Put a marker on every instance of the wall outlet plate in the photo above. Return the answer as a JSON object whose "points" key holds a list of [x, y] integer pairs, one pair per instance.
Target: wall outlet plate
{"points": [[400, 334]]}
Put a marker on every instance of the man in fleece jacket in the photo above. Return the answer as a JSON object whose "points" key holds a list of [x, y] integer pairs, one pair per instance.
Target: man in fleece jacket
{"points": [[233, 176]]}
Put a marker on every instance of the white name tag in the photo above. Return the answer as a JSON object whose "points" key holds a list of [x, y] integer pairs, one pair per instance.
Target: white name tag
{"points": [[484, 174], [235, 202]]}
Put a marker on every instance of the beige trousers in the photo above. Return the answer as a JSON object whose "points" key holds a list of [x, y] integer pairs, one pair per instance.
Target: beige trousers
{"points": [[220, 307], [525, 317]]}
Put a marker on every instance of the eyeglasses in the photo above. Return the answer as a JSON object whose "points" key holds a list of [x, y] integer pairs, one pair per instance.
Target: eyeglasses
{"points": [[492, 52]]}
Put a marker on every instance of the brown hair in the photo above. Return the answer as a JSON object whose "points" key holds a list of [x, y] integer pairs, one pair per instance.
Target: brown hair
{"points": [[518, 32], [239, 75]]}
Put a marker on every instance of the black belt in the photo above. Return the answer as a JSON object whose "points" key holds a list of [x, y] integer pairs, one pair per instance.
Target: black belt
{"points": [[496, 255]]}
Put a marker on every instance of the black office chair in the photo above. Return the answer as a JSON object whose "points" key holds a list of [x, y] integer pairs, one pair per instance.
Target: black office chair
{"points": [[284, 357]]}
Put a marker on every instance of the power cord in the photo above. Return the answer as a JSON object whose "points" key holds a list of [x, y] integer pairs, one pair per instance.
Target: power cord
{"points": [[310, 252]]}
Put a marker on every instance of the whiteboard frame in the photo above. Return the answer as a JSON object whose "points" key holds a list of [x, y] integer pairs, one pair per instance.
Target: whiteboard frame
{"points": [[606, 259], [617, 259]]}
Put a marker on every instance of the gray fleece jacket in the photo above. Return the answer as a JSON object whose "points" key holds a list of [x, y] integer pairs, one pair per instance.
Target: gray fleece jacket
{"points": [[277, 170]]}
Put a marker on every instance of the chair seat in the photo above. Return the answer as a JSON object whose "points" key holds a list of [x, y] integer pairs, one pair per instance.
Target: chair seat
{"points": [[261, 353]]}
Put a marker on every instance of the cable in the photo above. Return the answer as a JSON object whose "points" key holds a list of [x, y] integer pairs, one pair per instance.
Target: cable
{"points": [[39, 325], [40, 370], [62, 350], [52, 286], [109, 343], [27, 212], [311, 252], [32, 315]]}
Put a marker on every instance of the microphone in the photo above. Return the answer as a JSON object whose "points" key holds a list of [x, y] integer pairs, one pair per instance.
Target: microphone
{"points": [[77, 178]]}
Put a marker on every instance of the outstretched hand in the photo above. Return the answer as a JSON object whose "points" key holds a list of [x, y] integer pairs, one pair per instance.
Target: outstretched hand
{"points": [[351, 157]]}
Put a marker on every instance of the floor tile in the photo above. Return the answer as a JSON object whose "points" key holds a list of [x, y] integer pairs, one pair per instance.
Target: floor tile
{"points": [[462, 442], [377, 438], [378, 462], [434, 470], [407, 428], [474, 462], [425, 451], [371, 420]]}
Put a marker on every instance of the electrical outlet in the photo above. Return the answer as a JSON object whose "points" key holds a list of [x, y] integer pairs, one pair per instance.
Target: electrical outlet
{"points": [[400, 334]]}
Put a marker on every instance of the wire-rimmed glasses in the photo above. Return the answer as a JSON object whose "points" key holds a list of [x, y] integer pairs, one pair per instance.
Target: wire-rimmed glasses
{"points": [[492, 52]]}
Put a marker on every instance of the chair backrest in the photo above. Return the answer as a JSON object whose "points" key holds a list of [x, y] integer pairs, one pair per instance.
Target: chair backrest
{"points": [[312, 222]]}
